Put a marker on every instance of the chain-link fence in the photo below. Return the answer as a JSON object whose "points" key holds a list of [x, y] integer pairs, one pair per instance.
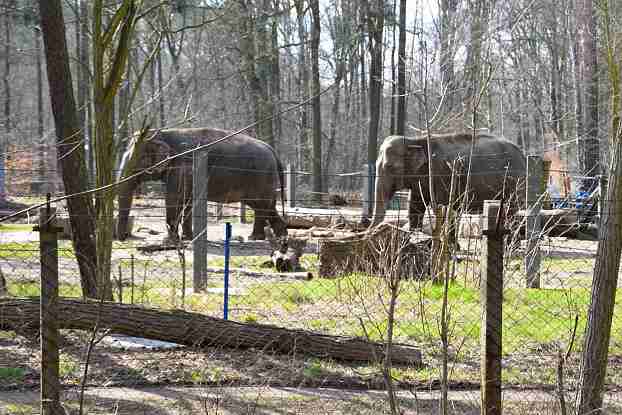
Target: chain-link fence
{"points": [[406, 288]]}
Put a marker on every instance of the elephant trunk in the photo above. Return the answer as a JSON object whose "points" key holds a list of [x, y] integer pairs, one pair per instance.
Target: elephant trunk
{"points": [[126, 195], [383, 192]]}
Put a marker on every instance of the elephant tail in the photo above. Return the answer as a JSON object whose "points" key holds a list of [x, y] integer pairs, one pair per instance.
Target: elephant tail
{"points": [[282, 180]]}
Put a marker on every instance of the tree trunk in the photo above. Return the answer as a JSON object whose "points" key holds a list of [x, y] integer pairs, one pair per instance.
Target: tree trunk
{"points": [[589, 145], [9, 5], [68, 133], [393, 112], [160, 87], [303, 86], [479, 28], [108, 76], [375, 27], [401, 73], [607, 264], [446, 65], [83, 79], [315, 92], [41, 173], [8, 32], [275, 79], [198, 330]]}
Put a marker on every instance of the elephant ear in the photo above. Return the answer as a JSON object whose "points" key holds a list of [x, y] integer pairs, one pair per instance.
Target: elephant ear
{"points": [[156, 150], [132, 154], [418, 155]]}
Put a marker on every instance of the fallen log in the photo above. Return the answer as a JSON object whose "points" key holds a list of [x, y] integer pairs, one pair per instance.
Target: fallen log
{"points": [[304, 275], [198, 330]]}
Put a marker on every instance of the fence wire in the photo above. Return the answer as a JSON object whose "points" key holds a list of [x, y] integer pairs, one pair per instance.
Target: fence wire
{"points": [[542, 328]]}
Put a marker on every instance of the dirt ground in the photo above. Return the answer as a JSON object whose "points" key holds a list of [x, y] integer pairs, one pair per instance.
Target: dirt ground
{"points": [[186, 381], [279, 400]]}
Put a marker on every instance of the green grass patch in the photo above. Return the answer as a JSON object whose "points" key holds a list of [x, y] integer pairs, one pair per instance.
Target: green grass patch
{"points": [[31, 250], [33, 289], [21, 409], [68, 366], [12, 374], [16, 227]]}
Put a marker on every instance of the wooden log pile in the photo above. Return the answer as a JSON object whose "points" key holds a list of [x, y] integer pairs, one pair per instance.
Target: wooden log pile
{"points": [[363, 252], [198, 330]]}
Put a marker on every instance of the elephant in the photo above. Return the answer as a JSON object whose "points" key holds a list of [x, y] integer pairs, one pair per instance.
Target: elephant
{"points": [[240, 169], [403, 163]]}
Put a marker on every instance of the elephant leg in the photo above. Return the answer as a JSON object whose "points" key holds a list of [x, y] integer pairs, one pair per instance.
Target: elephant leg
{"points": [[277, 224], [173, 211], [416, 210], [186, 227], [261, 215]]}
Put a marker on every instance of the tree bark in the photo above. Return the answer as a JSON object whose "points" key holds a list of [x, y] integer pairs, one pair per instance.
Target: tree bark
{"points": [[375, 27], [447, 44], [303, 86], [198, 330], [9, 6], [480, 10], [83, 79], [68, 134], [401, 73], [589, 145], [607, 264], [315, 92]]}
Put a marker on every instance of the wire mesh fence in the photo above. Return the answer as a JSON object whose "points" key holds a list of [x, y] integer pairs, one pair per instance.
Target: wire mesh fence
{"points": [[440, 313]]}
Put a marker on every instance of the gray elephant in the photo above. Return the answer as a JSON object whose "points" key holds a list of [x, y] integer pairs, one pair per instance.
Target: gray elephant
{"points": [[403, 163], [240, 169]]}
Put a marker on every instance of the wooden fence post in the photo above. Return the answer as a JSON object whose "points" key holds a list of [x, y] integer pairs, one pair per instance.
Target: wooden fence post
{"points": [[199, 220], [533, 225], [290, 186], [492, 307], [48, 247]]}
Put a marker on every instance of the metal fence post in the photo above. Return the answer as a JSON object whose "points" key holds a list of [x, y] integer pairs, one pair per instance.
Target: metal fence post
{"points": [[290, 185], [491, 298], [533, 226], [199, 220], [226, 281], [48, 246]]}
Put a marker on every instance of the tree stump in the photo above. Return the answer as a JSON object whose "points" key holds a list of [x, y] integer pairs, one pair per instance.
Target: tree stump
{"points": [[357, 253]]}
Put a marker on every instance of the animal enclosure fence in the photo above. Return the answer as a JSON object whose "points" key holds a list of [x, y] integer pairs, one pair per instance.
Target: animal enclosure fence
{"points": [[541, 328]]}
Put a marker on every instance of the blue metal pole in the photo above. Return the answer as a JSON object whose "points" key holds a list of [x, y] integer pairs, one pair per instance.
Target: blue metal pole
{"points": [[227, 239]]}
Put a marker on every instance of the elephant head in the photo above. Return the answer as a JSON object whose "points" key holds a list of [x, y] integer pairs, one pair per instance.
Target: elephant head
{"points": [[400, 161], [142, 159]]}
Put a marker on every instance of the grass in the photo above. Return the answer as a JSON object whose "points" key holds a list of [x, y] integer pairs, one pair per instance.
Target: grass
{"points": [[536, 322], [21, 409], [353, 305], [12, 374], [16, 227]]}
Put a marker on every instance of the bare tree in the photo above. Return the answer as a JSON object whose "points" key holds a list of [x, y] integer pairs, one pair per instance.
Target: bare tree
{"points": [[68, 142], [401, 73], [315, 93], [589, 143], [375, 27], [111, 46], [607, 264]]}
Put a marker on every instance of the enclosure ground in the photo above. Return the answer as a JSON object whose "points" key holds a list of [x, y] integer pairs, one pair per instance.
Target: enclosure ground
{"points": [[274, 400]]}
